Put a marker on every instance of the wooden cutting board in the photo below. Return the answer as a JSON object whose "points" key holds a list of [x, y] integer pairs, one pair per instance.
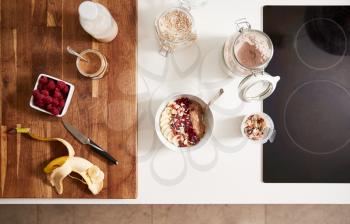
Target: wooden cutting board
{"points": [[34, 35]]}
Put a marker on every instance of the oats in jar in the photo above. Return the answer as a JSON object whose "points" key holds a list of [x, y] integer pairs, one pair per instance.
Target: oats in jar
{"points": [[175, 26]]}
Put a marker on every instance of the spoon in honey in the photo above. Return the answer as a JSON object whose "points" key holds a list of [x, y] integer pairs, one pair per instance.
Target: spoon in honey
{"points": [[73, 52]]}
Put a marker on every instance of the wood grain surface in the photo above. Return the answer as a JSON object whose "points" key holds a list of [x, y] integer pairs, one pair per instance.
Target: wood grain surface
{"points": [[34, 35]]}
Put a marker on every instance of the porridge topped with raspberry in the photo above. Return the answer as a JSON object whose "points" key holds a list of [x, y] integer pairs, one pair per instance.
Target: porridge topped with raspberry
{"points": [[181, 122]]}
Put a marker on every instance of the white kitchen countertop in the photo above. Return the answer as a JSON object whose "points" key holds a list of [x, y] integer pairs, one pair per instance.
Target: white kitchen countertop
{"points": [[226, 170]]}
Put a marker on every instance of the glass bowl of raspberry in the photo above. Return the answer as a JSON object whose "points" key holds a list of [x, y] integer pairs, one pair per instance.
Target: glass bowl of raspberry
{"points": [[184, 122], [51, 95]]}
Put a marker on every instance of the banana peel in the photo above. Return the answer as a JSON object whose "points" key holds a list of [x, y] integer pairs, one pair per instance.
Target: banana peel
{"points": [[55, 164], [68, 146], [63, 166]]}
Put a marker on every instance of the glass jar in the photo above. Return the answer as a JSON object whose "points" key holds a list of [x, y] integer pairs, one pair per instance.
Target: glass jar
{"points": [[96, 66], [175, 27], [246, 54], [269, 132], [247, 51]]}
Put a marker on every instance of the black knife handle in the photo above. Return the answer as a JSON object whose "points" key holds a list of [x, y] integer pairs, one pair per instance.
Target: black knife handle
{"points": [[102, 152]]}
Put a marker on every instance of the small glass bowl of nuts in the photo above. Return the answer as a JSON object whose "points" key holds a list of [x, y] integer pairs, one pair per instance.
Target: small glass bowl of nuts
{"points": [[258, 128]]}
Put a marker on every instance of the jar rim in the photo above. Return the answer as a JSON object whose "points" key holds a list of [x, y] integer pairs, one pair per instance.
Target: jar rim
{"points": [[192, 4], [99, 71]]}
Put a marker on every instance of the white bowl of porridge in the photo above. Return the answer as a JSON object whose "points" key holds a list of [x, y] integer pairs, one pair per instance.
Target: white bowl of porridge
{"points": [[183, 122]]}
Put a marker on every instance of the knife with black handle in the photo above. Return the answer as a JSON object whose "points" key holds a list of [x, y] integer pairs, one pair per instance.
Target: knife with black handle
{"points": [[87, 141], [102, 152]]}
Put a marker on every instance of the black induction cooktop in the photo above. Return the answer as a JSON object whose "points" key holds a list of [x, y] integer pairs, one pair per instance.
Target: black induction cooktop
{"points": [[311, 104]]}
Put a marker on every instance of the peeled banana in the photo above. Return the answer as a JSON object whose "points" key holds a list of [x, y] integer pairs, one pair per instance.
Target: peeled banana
{"points": [[62, 167]]}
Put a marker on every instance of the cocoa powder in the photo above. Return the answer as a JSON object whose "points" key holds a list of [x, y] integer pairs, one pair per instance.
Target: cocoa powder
{"points": [[250, 56]]}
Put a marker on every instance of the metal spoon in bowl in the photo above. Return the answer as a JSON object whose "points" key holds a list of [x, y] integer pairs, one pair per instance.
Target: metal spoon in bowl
{"points": [[73, 52], [215, 97], [211, 101]]}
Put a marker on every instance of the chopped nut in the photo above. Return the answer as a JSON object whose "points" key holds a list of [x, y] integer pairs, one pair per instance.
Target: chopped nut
{"points": [[255, 127]]}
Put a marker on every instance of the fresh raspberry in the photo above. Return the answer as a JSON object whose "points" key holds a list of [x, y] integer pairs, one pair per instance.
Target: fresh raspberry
{"points": [[65, 90], [57, 95], [51, 85], [47, 99], [36, 93], [39, 103], [55, 111], [49, 107], [61, 84], [184, 101], [43, 80], [44, 92], [55, 102], [62, 103], [38, 97]]}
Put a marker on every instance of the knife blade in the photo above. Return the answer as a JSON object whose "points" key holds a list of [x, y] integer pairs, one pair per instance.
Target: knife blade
{"points": [[87, 141], [77, 134]]}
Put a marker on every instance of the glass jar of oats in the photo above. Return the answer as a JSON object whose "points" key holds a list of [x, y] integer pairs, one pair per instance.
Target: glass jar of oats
{"points": [[175, 26]]}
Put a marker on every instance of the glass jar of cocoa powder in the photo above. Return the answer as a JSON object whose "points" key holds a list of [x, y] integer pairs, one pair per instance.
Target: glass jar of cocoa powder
{"points": [[247, 51], [246, 54]]}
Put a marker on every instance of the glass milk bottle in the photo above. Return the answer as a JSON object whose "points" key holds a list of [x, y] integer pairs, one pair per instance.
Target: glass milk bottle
{"points": [[97, 21]]}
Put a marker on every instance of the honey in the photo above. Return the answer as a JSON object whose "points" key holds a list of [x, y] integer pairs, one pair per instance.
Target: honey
{"points": [[96, 65], [92, 65]]}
